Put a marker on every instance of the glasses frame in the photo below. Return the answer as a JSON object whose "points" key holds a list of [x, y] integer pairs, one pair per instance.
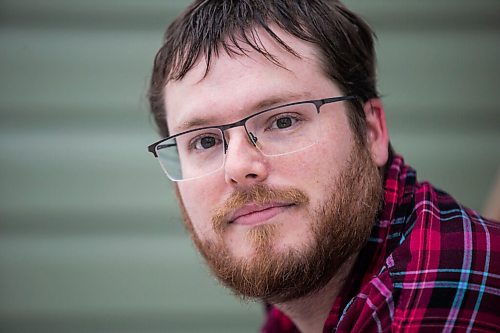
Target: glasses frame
{"points": [[317, 103]]}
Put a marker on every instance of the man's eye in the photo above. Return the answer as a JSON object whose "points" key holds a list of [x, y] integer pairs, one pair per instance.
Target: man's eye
{"points": [[205, 142], [283, 122]]}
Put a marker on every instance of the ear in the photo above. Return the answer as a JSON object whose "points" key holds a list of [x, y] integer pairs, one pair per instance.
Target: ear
{"points": [[377, 136]]}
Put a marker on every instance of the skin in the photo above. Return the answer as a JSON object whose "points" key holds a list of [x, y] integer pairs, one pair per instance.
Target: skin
{"points": [[236, 87]]}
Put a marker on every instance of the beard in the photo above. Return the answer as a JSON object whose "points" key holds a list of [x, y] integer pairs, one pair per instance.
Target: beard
{"points": [[340, 227]]}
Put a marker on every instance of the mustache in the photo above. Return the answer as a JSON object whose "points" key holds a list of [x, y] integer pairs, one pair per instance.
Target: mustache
{"points": [[257, 194]]}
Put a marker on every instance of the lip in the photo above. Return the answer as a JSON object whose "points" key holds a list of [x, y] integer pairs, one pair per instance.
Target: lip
{"points": [[254, 214]]}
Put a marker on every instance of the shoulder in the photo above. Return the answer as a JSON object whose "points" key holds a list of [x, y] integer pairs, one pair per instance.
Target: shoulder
{"points": [[441, 233], [446, 271], [440, 264]]}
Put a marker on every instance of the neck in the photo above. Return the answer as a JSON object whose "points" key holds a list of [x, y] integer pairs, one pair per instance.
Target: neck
{"points": [[310, 312]]}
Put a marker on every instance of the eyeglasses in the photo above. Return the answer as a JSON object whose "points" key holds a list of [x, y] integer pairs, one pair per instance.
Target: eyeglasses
{"points": [[276, 131]]}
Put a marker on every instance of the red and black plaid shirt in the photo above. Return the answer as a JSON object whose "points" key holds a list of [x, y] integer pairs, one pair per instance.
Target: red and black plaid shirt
{"points": [[430, 265]]}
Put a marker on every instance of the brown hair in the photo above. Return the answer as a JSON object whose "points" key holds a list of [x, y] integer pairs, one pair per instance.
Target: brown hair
{"points": [[207, 27]]}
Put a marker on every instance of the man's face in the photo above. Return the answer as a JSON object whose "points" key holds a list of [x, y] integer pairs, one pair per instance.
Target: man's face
{"points": [[264, 219]]}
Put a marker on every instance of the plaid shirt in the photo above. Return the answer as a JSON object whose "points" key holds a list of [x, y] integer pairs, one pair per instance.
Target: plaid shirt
{"points": [[430, 265]]}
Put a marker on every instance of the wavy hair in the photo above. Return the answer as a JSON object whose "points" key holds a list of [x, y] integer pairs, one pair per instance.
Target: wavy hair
{"points": [[208, 27]]}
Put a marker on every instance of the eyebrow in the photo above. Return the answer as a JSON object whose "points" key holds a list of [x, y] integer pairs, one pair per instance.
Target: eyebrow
{"points": [[261, 105]]}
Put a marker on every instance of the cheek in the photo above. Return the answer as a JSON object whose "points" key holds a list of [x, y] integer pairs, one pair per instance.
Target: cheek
{"points": [[315, 165], [336, 143], [199, 200], [315, 169]]}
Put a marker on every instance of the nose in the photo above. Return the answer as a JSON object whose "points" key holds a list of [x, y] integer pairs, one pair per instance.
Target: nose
{"points": [[244, 164]]}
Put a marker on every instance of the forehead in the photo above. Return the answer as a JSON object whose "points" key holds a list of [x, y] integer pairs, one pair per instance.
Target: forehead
{"points": [[237, 85]]}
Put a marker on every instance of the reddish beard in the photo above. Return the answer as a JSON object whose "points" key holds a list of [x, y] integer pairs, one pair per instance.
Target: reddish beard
{"points": [[340, 228]]}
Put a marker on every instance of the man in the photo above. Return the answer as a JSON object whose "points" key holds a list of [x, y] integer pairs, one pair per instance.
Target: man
{"points": [[277, 141]]}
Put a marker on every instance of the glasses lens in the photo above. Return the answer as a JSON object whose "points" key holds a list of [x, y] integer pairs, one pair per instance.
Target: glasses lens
{"points": [[192, 155], [285, 129]]}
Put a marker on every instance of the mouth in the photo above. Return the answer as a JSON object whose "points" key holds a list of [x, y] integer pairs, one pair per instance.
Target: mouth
{"points": [[254, 214]]}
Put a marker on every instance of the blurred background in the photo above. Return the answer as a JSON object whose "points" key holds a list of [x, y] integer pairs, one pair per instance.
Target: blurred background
{"points": [[90, 236]]}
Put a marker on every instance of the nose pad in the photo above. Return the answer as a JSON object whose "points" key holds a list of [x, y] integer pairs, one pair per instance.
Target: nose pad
{"points": [[253, 138], [243, 164], [225, 143], [254, 141]]}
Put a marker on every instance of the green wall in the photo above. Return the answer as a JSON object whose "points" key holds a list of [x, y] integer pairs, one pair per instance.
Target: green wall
{"points": [[90, 236]]}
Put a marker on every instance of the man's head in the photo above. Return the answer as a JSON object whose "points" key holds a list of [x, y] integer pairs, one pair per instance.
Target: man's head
{"points": [[274, 226], [343, 41]]}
